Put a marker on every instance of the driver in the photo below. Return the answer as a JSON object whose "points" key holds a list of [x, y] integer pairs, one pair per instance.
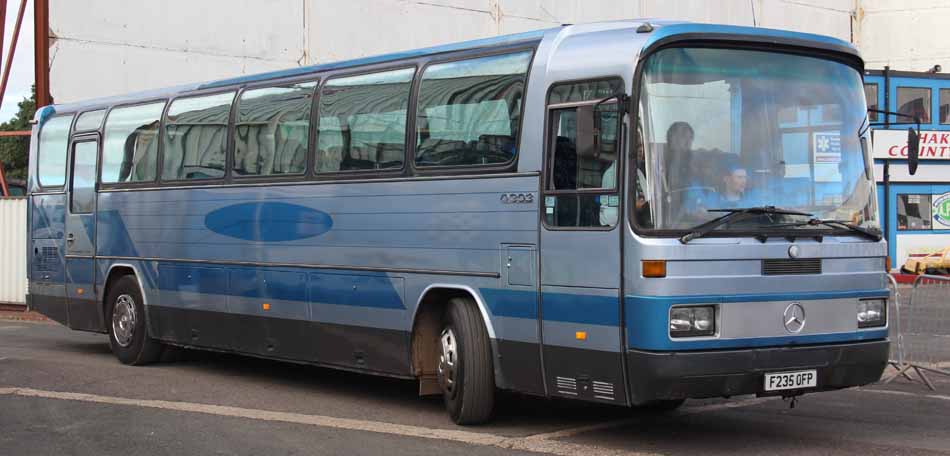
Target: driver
{"points": [[734, 183]]}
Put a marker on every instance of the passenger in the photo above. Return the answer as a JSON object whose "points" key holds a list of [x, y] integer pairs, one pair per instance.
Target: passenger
{"points": [[679, 143], [733, 186]]}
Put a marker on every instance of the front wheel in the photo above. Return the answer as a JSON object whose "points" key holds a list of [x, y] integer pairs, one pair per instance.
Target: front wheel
{"points": [[125, 319], [465, 370]]}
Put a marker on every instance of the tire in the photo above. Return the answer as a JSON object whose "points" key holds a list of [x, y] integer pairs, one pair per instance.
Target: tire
{"points": [[125, 314], [466, 373], [661, 406]]}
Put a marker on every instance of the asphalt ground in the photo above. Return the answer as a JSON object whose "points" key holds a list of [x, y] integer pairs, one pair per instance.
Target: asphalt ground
{"points": [[62, 392]]}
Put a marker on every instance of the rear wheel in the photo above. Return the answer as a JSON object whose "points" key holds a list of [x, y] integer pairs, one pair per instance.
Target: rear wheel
{"points": [[465, 370], [125, 319]]}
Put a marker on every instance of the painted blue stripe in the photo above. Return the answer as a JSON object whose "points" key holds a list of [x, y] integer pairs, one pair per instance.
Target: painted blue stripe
{"points": [[288, 284], [562, 307], [647, 318]]}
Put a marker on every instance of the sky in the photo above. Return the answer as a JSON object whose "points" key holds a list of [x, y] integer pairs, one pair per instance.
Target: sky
{"points": [[21, 74]]}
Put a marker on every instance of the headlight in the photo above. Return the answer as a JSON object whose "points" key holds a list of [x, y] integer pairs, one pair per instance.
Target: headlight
{"points": [[872, 312], [692, 321]]}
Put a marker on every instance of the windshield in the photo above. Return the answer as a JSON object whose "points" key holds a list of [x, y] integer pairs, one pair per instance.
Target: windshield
{"points": [[729, 128]]}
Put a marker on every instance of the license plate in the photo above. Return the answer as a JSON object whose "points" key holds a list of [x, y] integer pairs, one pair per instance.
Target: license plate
{"points": [[791, 380]]}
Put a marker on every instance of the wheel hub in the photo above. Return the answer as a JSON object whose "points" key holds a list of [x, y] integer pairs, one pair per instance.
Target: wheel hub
{"points": [[448, 361], [123, 320]]}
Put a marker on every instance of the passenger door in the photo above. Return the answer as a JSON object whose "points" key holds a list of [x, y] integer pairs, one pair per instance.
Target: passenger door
{"points": [[83, 312], [580, 246]]}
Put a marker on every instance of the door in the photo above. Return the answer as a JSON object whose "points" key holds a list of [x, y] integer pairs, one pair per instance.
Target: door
{"points": [[83, 312], [580, 247]]}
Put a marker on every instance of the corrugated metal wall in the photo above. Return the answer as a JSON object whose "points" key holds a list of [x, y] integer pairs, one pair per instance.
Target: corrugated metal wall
{"points": [[13, 250]]}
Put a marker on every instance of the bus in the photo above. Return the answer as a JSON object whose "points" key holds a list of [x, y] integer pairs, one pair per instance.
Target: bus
{"points": [[632, 213]]}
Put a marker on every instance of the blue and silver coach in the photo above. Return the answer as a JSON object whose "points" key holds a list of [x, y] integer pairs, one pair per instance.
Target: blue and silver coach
{"points": [[632, 213]]}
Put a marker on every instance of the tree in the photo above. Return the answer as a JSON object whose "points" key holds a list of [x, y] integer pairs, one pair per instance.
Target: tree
{"points": [[15, 150]]}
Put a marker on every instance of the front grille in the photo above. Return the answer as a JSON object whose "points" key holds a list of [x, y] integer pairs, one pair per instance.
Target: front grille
{"points": [[791, 266]]}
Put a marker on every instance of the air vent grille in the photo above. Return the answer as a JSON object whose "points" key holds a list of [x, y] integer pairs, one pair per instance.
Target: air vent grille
{"points": [[47, 258], [791, 266]]}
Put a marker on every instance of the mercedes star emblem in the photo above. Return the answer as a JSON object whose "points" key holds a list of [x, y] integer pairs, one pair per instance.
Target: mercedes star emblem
{"points": [[794, 318]]}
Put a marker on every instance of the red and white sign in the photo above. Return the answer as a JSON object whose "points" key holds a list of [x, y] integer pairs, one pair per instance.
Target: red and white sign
{"points": [[934, 145]]}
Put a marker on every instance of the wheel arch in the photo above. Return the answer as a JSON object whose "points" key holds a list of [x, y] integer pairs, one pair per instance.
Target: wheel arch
{"points": [[117, 270], [426, 323]]}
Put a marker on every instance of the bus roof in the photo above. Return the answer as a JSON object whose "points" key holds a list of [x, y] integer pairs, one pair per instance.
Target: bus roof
{"points": [[664, 30]]}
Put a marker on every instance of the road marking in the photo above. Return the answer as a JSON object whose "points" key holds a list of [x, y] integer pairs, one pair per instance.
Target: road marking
{"points": [[538, 443], [905, 393]]}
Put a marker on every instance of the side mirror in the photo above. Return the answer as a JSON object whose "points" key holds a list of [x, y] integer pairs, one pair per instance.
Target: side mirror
{"points": [[913, 150]]}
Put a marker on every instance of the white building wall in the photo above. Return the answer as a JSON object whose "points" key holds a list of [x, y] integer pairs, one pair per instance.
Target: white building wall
{"points": [[12, 250], [908, 35], [130, 45]]}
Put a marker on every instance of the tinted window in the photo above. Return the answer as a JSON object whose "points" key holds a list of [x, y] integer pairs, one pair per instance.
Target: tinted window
{"points": [[945, 106], [469, 111], [913, 212], [84, 177], [91, 120], [914, 101], [130, 146], [54, 139], [870, 93], [582, 155], [272, 130], [195, 133], [363, 122]]}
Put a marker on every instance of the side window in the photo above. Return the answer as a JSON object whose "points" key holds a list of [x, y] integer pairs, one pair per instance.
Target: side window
{"points": [[583, 145], [913, 212], [362, 122], [870, 93], [54, 142], [469, 111], [130, 144], [945, 106], [272, 130], [195, 137], [914, 101], [83, 192], [91, 120]]}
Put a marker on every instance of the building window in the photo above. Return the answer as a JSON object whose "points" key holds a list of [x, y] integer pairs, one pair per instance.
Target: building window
{"points": [[469, 111], [54, 139], [913, 212], [195, 132], [914, 101], [870, 92], [945, 106], [130, 147], [272, 130], [362, 123]]}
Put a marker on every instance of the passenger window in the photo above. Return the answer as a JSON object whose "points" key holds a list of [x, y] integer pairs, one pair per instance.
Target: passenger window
{"points": [[54, 138], [195, 133], [130, 144], [469, 112], [272, 130], [913, 212], [581, 189], [362, 123], [870, 93], [91, 120], [914, 101], [945, 106], [83, 192]]}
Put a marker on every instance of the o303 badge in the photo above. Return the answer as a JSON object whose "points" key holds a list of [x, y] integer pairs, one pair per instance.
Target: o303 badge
{"points": [[941, 211]]}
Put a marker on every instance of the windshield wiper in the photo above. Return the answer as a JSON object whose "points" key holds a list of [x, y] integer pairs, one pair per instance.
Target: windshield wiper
{"points": [[731, 215], [868, 233]]}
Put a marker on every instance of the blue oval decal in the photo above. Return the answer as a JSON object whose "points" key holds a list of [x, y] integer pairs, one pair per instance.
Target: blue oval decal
{"points": [[268, 221]]}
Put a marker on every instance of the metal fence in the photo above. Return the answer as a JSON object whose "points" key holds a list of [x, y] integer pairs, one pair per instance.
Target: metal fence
{"points": [[12, 250], [920, 330]]}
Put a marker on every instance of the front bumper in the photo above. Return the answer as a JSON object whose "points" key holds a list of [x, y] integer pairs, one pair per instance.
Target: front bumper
{"points": [[699, 374]]}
